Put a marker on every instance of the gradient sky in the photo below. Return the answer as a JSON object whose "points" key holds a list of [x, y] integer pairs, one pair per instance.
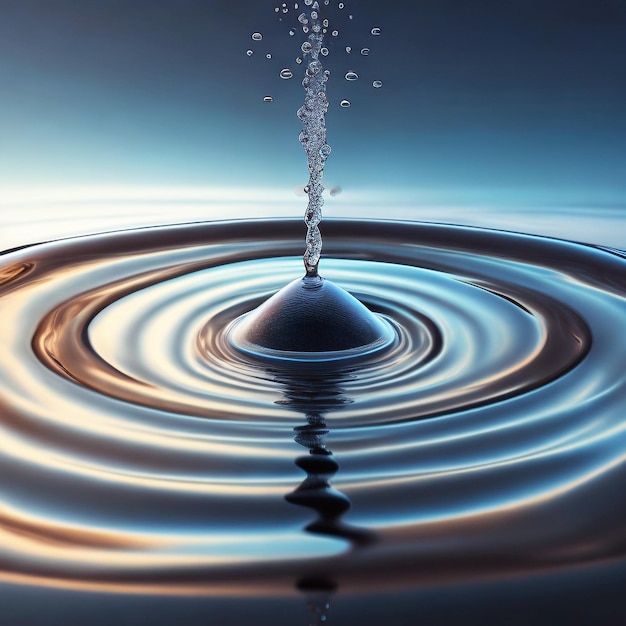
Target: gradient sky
{"points": [[484, 101]]}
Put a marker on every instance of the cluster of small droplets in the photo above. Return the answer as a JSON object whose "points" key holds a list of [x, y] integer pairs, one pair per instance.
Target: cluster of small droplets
{"points": [[313, 112], [310, 22], [313, 135]]}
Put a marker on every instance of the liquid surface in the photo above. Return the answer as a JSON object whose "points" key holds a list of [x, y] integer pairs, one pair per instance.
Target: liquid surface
{"points": [[148, 455]]}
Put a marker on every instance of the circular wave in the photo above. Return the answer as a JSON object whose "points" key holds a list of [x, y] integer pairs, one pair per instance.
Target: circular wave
{"points": [[145, 449]]}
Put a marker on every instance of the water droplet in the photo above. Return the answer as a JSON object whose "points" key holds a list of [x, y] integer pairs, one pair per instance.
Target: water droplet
{"points": [[341, 5], [308, 2], [268, 99], [305, 29], [352, 75], [277, 9], [325, 23], [285, 9], [286, 73], [299, 61], [335, 33], [376, 31], [350, 17], [292, 32], [344, 104], [377, 84], [257, 36], [315, 67], [324, 51], [268, 56], [348, 49], [365, 51], [249, 53]]}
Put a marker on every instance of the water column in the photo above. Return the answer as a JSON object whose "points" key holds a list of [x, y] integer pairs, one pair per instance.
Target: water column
{"points": [[312, 318], [313, 135]]}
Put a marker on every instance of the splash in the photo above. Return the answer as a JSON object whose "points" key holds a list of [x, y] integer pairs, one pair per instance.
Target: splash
{"points": [[313, 112], [313, 135]]}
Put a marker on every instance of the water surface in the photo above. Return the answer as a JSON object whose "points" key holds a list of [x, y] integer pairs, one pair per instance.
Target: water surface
{"points": [[149, 458]]}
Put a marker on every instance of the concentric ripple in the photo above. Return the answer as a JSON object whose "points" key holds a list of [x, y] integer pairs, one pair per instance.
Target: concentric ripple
{"points": [[144, 450]]}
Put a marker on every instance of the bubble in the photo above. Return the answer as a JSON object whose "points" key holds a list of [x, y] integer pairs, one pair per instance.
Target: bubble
{"points": [[277, 9], [352, 75], [286, 73], [268, 56], [376, 31], [249, 53], [314, 15], [365, 51], [302, 18], [324, 51], [308, 2], [268, 99], [285, 9], [325, 151], [335, 33], [299, 61], [377, 84], [306, 47], [344, 104], [292, 32], [341, 5], [325, 23], [257, 36]]}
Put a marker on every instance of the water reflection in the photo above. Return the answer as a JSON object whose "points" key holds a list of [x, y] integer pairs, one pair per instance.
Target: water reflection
{"points": [[315, 395]]}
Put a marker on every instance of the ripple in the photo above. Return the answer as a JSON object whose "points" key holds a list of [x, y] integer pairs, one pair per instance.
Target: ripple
{"points": [[144, 449]]}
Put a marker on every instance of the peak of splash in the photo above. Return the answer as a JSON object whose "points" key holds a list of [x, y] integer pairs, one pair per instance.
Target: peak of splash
{"points": [[311, 319]]}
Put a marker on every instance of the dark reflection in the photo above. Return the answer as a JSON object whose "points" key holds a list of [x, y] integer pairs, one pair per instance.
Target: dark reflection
{"points": [[318, 592], [315, 394]]}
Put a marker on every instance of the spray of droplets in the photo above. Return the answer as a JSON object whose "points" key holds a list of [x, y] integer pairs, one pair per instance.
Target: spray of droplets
{"points": [[313, 135], [313, 113]]}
